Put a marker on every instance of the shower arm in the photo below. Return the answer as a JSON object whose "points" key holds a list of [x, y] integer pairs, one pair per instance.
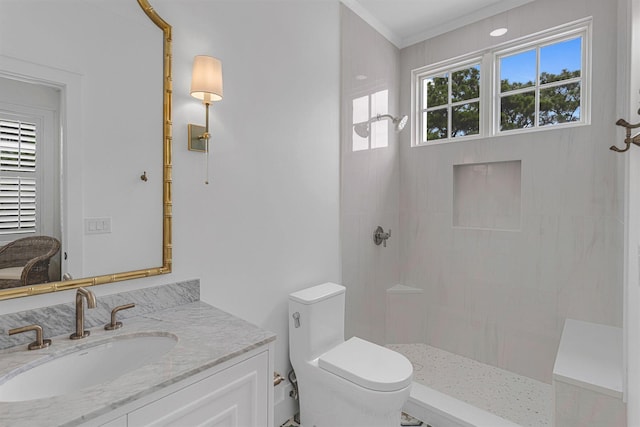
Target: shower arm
{"points": [[382, 116], [377, 119]]}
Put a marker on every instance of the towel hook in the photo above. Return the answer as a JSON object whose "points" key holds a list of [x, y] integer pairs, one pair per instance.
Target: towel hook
{"points": [[628, 140]]}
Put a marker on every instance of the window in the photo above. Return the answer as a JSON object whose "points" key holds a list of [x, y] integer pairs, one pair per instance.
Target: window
{"points": [[450, 103], [17, 177], [534, 83], [541, 86]]}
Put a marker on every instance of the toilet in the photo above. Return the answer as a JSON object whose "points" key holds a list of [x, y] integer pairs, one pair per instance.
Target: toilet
{"points": [[342, 383]]}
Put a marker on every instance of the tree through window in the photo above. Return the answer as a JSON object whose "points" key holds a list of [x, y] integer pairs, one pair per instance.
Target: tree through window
{"points": [[536, 82], [450, 104], [541, 86]]}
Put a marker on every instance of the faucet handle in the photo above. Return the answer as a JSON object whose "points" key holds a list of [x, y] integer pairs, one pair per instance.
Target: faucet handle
{"points": [[380, 237], [39, 342], [117, 325]]}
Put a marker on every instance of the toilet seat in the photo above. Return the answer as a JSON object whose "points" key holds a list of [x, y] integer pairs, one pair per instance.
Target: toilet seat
{"points": [[369, 365]]}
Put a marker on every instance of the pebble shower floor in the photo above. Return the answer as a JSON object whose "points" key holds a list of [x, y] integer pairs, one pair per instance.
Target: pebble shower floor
{"points": [[516, 398]]}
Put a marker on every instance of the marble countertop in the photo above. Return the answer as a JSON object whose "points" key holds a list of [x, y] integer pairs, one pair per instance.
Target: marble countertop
{"points": [[206, 337]]}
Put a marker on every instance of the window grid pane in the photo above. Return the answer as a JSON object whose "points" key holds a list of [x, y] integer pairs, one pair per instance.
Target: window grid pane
{"points": [[447, 98], [517, 111], [561, 60], [560, 104], [437, 124], [557, 93], [518, 70], [17, 182], [436, 91], [465, 120], [465, 84]]}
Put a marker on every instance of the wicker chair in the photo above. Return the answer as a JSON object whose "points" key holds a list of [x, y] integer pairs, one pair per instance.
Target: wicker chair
{"points": [[32, 256]]}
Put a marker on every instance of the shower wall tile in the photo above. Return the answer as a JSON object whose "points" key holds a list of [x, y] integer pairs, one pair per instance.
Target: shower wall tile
{"points": [[501, 297], [404, 320], [496, 296], [369, 181], [487, 195]]}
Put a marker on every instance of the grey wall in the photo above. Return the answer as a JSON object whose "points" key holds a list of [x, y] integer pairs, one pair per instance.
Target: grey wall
{"points": [[369, 180], [501, 297]]}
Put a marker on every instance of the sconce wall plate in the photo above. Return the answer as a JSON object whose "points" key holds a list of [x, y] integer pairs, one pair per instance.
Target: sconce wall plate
{"points": [[196, 142]]}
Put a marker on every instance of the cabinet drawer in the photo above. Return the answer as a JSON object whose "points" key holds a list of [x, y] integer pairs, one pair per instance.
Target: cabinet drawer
{"points": [[235, 396]]}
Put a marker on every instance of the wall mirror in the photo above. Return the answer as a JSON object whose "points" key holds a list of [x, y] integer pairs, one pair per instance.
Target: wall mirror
{"points": [[85, 144]]}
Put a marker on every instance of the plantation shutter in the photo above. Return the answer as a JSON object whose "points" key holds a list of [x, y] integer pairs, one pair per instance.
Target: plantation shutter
{"points": [[17, 177]]}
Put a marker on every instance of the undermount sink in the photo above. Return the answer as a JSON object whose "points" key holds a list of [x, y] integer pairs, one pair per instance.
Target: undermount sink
{"points": [[84, 367]]}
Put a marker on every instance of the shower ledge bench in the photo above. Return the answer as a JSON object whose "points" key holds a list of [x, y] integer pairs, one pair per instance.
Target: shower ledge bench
{"points": [[588, 376]]}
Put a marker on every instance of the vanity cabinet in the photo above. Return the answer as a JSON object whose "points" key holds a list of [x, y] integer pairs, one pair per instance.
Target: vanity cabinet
{"points": [[237, 395], [219, 372], [234, 397]]}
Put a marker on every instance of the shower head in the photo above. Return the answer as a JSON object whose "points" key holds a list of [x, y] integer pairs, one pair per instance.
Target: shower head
{"points": [[401, 122], [362, 129]]}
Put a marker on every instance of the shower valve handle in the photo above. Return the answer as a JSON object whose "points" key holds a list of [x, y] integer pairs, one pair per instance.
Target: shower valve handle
{"points": [[379, 236]]}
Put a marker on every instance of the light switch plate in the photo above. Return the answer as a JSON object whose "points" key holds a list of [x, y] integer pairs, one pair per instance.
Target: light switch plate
{"points": [[97, 225]]}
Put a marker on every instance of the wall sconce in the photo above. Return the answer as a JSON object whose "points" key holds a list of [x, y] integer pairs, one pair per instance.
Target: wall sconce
{"points": [[206, 84]]}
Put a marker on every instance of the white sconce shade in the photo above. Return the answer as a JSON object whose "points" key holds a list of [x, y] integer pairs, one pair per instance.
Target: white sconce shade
{"points": [[206, 84], [206, 80]]}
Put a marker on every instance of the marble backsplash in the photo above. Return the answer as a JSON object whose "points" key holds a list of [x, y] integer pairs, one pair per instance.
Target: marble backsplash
{"points": [[60, 319]]}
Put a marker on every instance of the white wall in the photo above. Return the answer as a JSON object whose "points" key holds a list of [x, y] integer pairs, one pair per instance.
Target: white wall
{"points": [[502, 297], [268, 222], [369, 181], [629, 95]]}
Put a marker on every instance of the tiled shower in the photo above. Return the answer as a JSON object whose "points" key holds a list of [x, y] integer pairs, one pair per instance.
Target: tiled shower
{"points": [[495, 241]]}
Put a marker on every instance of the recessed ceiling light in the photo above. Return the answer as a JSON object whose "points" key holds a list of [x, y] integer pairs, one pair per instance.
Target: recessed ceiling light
{"points": [[498, 32]]}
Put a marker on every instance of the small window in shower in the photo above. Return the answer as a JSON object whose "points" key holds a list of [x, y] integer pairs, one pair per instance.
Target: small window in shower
{"points": [[365, 134], [541, 85], [533, 83], [487, 195], [449, 103]]}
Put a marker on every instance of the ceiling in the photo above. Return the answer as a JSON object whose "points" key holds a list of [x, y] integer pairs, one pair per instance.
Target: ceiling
{"points": [[405, 22]]}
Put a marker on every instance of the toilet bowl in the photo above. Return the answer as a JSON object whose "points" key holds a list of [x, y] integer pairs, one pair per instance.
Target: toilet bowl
{"points": [[342, 383]]}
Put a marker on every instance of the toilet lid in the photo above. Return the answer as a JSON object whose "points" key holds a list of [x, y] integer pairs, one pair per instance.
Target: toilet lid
{"points": [[368, 365]]}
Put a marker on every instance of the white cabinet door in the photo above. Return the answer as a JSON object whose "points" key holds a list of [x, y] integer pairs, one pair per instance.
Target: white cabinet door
{"points": [[234, 397]]}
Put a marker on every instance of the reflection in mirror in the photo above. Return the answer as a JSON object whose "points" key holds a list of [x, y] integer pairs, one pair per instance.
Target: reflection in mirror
{"points": [[84, 114], [30, 231]]}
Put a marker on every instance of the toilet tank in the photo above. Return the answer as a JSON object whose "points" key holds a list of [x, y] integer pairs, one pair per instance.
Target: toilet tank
{"points": [[316, 321]]}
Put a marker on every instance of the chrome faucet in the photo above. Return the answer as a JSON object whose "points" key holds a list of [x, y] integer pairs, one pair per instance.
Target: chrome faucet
{"points": [[91, 303]]}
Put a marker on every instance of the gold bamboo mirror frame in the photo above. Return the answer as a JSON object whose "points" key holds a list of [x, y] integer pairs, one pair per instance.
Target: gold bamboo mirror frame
{"points": [[165, 268]]}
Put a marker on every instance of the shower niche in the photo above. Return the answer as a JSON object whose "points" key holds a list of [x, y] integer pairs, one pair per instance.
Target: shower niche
{"points": [[488, 195]]}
